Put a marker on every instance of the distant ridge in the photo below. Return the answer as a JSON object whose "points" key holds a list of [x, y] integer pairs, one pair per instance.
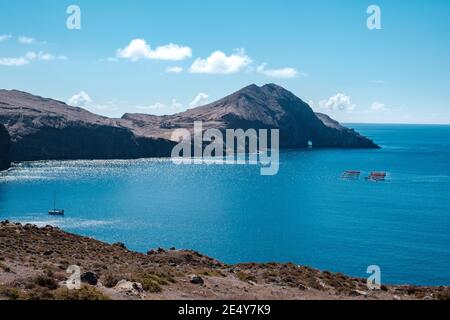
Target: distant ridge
{"points": [[47, 129]]}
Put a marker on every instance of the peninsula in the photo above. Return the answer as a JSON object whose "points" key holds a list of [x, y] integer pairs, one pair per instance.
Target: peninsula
{"points": [[47, 129]]}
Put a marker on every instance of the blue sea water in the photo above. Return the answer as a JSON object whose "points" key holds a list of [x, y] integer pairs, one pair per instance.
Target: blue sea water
{"points": [[306, 214]]}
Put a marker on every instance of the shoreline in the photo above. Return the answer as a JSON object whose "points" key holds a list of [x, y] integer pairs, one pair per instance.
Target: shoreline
{"points": [[33, 264]]}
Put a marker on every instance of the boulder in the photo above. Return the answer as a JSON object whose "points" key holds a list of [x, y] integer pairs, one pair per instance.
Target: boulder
{"points": [[197, 280], [120, 245], [133, 288], [89, 278], [5, 146]]}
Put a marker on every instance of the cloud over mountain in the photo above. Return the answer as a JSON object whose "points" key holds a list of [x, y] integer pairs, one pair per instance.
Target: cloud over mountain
{"points": [[200, 100], [277, 73], [219, 63], [81, 99], [139, 49], [338, 102]]}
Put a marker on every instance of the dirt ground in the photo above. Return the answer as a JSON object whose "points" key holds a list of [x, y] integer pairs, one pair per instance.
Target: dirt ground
{"points": [[33, 264]]}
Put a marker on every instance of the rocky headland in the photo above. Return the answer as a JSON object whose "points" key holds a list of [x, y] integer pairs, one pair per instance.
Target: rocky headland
{"points": [[47, 129]]}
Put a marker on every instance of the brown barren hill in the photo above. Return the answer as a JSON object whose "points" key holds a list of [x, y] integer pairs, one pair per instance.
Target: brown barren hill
{"points": [[33, 264]]}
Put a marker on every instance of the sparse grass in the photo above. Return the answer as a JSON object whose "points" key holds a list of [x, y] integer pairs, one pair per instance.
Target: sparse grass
{"points": [[270, 274], [46, 282], [245, 277], [10, 293], [49, 251], [44, 293], [152, 282], [444, 294], [85, 293], [209, 272], [111, 279], [4, 267]]}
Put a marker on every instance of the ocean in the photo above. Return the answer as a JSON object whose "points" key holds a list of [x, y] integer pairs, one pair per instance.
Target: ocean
{"points": [[306, 214]]}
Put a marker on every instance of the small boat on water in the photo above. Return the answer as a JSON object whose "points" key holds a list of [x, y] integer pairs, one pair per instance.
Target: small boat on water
{"points": [[351, 174], [55, 212], [377, 176]]}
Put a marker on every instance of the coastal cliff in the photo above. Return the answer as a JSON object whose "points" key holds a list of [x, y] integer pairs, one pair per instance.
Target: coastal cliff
{"points": [[5, 145], [47, 129], [34, 261]]}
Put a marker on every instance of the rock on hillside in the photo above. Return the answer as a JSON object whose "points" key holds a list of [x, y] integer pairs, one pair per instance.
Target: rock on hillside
{"points": [[5, 144]]}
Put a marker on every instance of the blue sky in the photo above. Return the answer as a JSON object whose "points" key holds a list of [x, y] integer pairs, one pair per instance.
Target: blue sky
{"points": [[320, 50]]}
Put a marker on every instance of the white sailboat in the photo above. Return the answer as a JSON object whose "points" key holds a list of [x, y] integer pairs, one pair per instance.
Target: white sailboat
{"points": [[55, 212]]}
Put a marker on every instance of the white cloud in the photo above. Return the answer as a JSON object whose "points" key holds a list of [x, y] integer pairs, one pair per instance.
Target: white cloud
{"points": [[43, 56], [277, 73], [378, 106], [5, 37], [110, 59], [28, 58], [81, 100], [312, 104], [28, 40], [219, 63], [40, 56], [139, 49], [381, 108], [174, 69], [172, 52], [13, 62], [339, 102], [156, 106], [159, 108], [200, 100]]}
